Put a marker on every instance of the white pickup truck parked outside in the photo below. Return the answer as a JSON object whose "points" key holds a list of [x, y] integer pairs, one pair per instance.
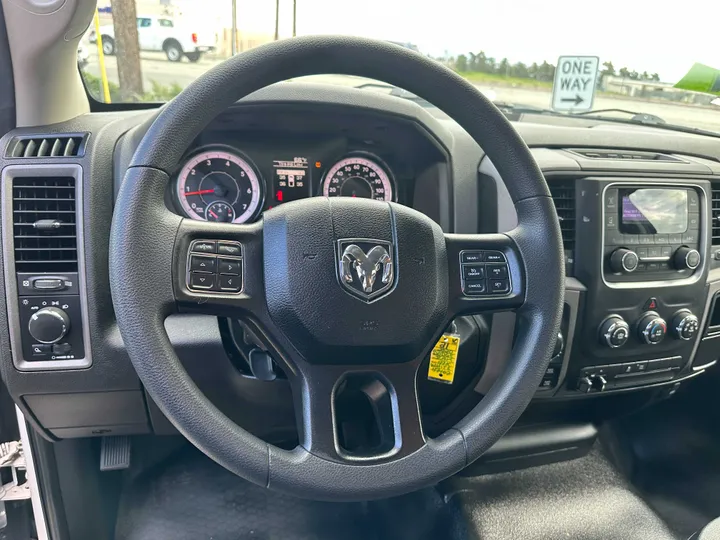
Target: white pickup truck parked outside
{"points": [[175, 37]]}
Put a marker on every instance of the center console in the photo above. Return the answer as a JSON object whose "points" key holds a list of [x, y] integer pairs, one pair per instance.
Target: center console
{"points": [[641, 255]]}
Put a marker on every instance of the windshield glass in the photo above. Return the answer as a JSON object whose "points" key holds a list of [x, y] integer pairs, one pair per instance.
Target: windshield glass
{"points": [[621, 60]]}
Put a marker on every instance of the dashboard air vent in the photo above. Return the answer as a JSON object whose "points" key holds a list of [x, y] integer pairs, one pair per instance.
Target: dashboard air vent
{"points": [[44, 224], [563, 194], [44, 147], [623, 155], [715, 213]]}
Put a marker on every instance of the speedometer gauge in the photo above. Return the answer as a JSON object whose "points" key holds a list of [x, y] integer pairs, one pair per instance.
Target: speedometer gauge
{"points": [[359, 175], [218, 185]]}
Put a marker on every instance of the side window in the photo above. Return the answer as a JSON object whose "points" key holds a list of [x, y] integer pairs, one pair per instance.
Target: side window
{"points": [[165, 23], [143, 22]]}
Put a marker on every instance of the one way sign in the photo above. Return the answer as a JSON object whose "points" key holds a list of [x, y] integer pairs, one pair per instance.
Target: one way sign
{"points": [[575, 80]]}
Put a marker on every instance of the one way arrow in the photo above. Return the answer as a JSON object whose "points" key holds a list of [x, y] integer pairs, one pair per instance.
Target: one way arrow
{"points": [[577, 99]]}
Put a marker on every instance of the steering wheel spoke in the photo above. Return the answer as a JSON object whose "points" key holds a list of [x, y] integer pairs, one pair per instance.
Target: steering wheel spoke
{"points": [[359, 414], [486, 273], [218, 268]]}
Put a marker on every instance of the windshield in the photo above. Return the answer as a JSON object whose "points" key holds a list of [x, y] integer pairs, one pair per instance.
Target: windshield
{"points": [[618, 60]]}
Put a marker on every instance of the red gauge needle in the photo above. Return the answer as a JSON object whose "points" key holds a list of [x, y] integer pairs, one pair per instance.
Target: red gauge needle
{"points": [[213, 214], [201, 192]]}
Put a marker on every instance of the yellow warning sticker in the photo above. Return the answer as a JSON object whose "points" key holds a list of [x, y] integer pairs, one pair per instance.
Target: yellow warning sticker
{"points": [[443, 359]]}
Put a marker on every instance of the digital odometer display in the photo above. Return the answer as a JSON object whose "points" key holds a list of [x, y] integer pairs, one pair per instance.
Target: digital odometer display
{"points": [[358, 176], [218, 185], [291, 180], [654, 211]]}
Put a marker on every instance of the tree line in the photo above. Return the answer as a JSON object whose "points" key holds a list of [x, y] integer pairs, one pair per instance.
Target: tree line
{"points": [[545, 71]]}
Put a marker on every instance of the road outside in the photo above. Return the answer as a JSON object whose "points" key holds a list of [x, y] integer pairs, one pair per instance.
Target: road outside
{"points": [[156, 68]]}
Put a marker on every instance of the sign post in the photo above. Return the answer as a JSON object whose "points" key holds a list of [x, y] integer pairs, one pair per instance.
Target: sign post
{"points": [[575, 81]]}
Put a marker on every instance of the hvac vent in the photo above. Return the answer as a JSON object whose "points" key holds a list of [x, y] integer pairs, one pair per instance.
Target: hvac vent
{"points": [[44, 224], [715, 213], [42, 147], [626, 155], [563, 194]]}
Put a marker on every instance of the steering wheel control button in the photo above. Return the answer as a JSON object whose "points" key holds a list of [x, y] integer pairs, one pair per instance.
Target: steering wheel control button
{"points": [[202, 282], [494, 257], [471, 257], [204, 246], [474, 287], [499, 286], [473, 271], [230, 267], [215, 274], [230, 283], [684, 325], [200, 263], [652, 329], [614, 332], [497, 271], [228, 248]]}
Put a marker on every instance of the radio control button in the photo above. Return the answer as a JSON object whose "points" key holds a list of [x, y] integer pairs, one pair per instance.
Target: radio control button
{"points": [[624, 260], [632, 240], [693, 201], [690, 238], [687, 258], [647, 239], [614, 238]]}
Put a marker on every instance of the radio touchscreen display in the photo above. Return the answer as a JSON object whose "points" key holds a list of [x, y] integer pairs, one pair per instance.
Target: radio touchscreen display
{"points": [[653, 211]]}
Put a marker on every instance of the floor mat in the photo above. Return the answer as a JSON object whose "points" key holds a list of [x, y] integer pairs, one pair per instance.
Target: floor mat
{"points": [[583, 499], [192, 498]]}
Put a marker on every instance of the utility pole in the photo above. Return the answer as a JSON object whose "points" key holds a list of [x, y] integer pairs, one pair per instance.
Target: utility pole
{"points": [[233, 46], [294, 18], [277, 20]]}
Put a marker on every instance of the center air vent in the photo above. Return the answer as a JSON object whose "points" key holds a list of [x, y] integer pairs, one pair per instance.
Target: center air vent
{"points": [[563, 195], [44, 224], [42, 147], [715, 213]]}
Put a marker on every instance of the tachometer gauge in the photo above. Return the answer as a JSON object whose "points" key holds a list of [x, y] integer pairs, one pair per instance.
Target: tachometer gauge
{"points": [[359, 175], [219, 185]]}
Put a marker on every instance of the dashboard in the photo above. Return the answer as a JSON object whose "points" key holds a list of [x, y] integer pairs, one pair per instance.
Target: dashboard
{"points": [[638, 209]]}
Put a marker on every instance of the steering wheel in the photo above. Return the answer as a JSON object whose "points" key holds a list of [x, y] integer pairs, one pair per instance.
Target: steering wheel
{"points": [[305, 285]]}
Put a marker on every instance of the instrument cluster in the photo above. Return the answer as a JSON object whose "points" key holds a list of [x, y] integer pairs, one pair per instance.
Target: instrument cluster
{"points": [[217, 182]]}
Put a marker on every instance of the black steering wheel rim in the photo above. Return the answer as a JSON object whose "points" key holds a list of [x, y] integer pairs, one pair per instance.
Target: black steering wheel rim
{"points": [[144, 229]]}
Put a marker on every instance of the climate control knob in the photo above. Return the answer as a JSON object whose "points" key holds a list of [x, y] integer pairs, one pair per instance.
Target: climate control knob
{"points": [[624, 260], [686, 258], [652, 328], [49, 325], [614, 332], [684, 325]]}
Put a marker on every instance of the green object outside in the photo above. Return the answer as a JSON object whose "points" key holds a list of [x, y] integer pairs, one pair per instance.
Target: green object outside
{"points": [[701, 78]]}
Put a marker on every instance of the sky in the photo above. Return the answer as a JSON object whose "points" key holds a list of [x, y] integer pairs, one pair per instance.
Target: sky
{"points": [[661, 37]]}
